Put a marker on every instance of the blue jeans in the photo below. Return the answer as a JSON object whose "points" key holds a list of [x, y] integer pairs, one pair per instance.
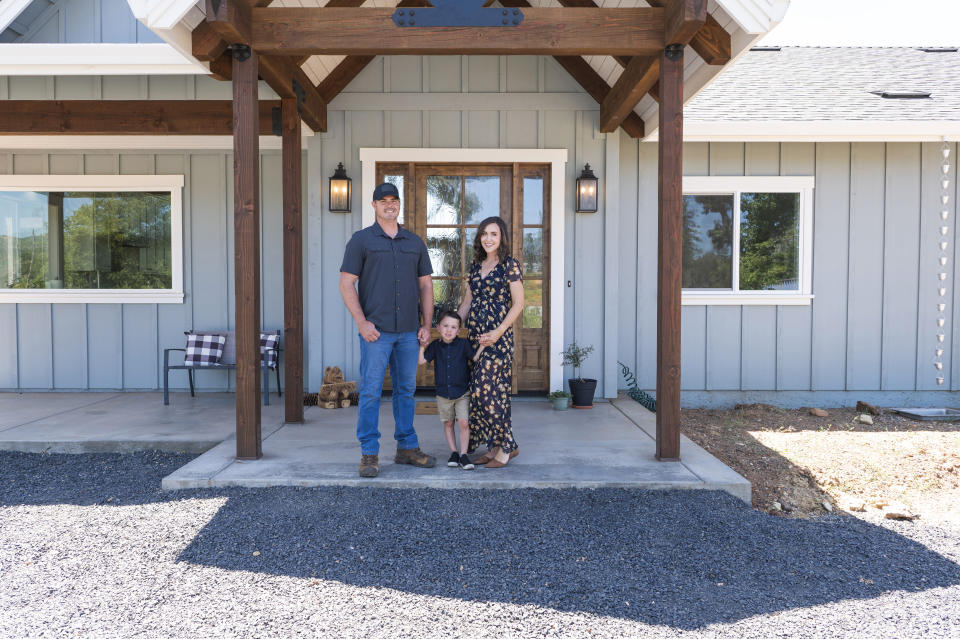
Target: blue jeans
{"points": [[400, 350]]}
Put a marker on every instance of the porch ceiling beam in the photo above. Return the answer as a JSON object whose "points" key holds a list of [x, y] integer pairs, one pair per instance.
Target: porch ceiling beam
{"points": [[551, 31], [230, 19], [682, 20], [711, 41], [638, 78], [124, 117], [598, 89], [338, 79], [282, 74]]}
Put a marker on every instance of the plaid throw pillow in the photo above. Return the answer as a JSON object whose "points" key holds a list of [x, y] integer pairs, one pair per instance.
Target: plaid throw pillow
{"points": [[203, 349], [269, 342]]}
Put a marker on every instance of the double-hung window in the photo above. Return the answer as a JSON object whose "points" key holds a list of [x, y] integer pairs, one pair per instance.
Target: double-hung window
{"points": [[89, 239], [747, 240]]}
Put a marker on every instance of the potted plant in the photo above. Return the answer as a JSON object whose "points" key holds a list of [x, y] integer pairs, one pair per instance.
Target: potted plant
{"points": [[560, 399], [582, 389]]}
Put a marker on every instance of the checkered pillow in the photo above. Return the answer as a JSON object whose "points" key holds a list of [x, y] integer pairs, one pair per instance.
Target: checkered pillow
{"points": [[203, 349], [269, 342]]}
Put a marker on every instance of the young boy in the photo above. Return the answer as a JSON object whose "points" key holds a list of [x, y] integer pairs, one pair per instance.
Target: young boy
{"points": [[451, 356]]}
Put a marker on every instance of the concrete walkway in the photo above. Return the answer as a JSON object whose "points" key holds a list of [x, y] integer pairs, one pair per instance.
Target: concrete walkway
{"points": [[610, 446]]}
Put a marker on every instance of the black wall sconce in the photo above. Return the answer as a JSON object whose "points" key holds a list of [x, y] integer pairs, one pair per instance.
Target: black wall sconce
{"points": [[587, 191], [341, 191]]}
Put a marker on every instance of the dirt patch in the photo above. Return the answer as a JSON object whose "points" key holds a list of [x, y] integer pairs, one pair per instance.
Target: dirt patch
{"points": [[803, 465]]}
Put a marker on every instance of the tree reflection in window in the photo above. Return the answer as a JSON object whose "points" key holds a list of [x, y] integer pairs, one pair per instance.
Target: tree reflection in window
{"points": [[769, 241], [707, 241]]}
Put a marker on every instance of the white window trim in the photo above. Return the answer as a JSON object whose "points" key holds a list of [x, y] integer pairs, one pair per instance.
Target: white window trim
{"points": [[722, 185], [556, 158], [121, 183]]}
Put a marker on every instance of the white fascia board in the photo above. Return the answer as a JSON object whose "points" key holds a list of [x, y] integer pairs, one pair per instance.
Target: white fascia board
{"points": [[821, 131], [160, 14], [755, 16], [10, 10], [96, 59]]}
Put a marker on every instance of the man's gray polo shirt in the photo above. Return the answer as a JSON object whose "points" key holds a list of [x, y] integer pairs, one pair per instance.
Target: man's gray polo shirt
{"points": [[388, 268]]}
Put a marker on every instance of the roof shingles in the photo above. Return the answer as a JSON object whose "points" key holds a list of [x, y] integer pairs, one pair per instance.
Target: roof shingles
{"points": [[832, 83]]}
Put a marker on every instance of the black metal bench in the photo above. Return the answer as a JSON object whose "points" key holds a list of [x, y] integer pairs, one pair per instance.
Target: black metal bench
{"points": [[227, 361]]}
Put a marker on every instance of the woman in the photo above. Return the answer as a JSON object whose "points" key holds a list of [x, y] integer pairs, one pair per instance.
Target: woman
{"points": [[494, 300]]}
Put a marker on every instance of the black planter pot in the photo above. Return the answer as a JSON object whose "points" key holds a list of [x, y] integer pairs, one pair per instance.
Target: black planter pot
{"points": [[582, 391]]}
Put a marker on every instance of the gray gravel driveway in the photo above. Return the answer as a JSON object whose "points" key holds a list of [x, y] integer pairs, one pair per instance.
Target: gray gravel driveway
{"points": [[91, 547]]}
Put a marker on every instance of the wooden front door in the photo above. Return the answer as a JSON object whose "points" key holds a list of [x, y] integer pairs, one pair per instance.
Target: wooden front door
{"points": [[444, 204]]}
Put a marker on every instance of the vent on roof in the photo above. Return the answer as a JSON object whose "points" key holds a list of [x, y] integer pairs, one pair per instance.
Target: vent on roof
{"points": [[764, 48], [939, 49], [902, 95]]}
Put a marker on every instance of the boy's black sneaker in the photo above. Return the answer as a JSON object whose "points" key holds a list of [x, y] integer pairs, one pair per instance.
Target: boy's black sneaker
{"points": [[454, 460], [465, 463]]}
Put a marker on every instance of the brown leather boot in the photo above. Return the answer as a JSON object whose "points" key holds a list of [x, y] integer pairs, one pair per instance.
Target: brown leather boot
{"points": [[414, 457], [369, 465]]}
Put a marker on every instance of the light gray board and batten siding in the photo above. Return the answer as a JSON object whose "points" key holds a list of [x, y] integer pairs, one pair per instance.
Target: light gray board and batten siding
{"points": [[555, 115], [871, 326], [875, 235], [69, 21]]}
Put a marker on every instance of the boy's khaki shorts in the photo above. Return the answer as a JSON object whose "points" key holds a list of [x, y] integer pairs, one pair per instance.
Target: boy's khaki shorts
{"points": [[458, 408]]}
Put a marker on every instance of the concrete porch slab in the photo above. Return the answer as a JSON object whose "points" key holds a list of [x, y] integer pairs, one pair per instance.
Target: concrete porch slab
{"points": [[121, 422], [609, 446]]}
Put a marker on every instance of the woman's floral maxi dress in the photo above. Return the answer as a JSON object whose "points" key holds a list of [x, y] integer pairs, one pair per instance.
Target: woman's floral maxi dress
{"points": [[490, 422]]}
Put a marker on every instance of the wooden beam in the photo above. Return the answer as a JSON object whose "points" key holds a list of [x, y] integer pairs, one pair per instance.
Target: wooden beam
{"points": [[123, 117], [669, 253], [208, 45], [598, 89], [712, 42], [292, 261], [337, 80], [286, 78], [231, 20], [639, 76], [222, 67], [683, 19], [551, 31], [246, 241]]}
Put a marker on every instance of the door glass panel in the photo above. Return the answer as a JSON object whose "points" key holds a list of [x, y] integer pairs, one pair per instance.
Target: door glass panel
{"points": [[533, 200], [446, 297], [533, 304], [482, 198], [397, 181], [445, 247], [469, 237], [443, 199], [532, 252]]}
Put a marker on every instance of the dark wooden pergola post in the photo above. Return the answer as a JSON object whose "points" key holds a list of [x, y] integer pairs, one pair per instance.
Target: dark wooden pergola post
{"points": [[246, 239], [670, 249], [292, 260]]}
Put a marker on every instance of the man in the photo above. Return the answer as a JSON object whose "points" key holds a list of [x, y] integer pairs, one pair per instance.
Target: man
{"points": [[391, 268]]}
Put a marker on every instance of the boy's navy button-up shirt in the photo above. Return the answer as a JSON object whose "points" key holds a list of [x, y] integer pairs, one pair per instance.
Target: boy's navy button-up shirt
{"points": [[389, 269], [451, 365]]}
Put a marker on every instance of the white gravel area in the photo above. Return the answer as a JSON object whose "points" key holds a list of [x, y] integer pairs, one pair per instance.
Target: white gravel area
{"points": [[91, 547]]}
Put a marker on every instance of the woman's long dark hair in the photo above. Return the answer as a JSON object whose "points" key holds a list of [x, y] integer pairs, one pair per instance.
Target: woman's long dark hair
{"points": [[503, 252]]}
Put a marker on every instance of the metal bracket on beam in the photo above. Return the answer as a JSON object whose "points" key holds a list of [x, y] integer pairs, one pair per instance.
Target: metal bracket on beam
{"points": [[673, 52], [276, 114], [301, 95], [216, 6], [458, 13], [241, 52]]}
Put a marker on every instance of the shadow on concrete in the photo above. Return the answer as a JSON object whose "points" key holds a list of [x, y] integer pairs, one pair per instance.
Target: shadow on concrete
{"points": [[683, 559]]}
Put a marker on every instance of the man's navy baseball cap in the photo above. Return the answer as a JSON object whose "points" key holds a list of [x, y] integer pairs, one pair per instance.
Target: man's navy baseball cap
{"points": [[384, 190]]}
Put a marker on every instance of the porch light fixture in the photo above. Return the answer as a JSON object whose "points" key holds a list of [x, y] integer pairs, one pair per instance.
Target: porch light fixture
{"points": [[587, 191], [341, 191]]}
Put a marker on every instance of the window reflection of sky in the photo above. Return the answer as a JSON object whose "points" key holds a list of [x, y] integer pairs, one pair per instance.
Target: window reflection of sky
{"points": [[24, 213], [705, 213]]}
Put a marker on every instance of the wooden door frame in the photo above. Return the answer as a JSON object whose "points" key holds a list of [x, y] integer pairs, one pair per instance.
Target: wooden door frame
{"points": [[556, 158]]}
